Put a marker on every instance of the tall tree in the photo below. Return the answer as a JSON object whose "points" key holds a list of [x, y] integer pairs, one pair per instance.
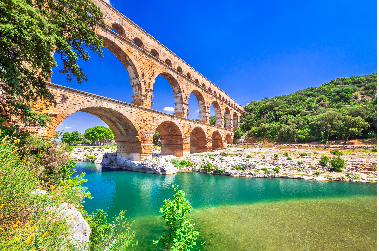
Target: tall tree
{"points": [[30, 33]]}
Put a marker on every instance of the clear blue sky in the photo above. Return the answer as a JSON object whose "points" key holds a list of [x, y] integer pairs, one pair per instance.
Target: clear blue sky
{"points": [[250, 49]]}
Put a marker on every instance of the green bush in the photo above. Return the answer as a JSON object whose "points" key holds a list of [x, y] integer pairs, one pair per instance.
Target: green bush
{"points": [[25, 221], [286, 154], [299, 163], [374, 150], [224, 154], [175, 162], [338, 164], [324, 161], [336, 152], [276, 157], [180, 233], [184, 163], [105, 235], [277, 170], [303, 154], [248, 157], [265, 170], [289, 158]]}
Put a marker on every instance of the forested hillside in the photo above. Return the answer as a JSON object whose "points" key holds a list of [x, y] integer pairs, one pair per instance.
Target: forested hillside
{"points": [[344, 108]]}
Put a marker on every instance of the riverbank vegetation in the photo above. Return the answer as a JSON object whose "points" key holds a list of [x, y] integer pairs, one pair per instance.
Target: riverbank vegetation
{"points": [[92, 135], [344, 108]]}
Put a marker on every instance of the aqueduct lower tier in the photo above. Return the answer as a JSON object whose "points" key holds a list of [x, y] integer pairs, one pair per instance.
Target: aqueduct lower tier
{"points": [[134, 126]]}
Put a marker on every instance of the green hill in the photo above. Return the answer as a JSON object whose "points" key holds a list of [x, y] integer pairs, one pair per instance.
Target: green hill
{"points": [[344, 108]]}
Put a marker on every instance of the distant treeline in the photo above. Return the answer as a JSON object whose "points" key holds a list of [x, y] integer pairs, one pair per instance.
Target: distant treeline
{"points": [[344, 108]]}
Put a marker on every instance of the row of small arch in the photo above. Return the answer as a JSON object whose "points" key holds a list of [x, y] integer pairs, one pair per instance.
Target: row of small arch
{"points": [[168, 62]]}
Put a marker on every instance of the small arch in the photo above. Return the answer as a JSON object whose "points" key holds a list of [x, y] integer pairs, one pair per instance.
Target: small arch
{"points": [[216, 141], [227, 117], [229, 139], [196, 81], [235, 119], [203, 86], [178, 95], [209, 90], [171, 139], [198, 141], [179, 69], [215, 93], [138, 42], [201, 103], [154, 53], [218, 115], [168, 62], [189, 75], [118, 28]]}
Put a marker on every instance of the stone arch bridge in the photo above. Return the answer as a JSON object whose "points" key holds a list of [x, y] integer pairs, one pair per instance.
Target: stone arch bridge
{"points": [[134, 124]]}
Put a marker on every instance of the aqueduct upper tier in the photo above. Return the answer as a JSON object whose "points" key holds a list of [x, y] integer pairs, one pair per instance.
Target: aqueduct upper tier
{"points": [[145, 58], [134, 126]]}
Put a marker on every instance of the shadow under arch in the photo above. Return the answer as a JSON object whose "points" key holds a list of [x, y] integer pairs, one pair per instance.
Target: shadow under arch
{"points": [[129, 65], [178, 94], [171, 139], [126, 134], [216, 141], [202, 107], [198, 141]]}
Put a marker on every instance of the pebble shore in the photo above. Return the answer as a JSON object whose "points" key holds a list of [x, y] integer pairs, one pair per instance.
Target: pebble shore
{"points": [[360, 166]]}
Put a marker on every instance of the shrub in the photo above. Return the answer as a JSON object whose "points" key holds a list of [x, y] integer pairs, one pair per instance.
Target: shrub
{"points": [[184, 163], [175, 162], [224, 154], [180, 233], [374, 150], [248, 157], [105, 235], [286, 154], [324, 161], [303, 154], [276, 157], [289, 158], [336, 152], [265, 170], [277, 170], [338, 164], [299, 163]]}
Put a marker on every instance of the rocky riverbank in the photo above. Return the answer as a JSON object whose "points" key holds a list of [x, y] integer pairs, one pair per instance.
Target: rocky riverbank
{"points": [[359, 165]]}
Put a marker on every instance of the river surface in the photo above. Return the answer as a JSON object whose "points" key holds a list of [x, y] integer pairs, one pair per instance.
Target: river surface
{"points": [[242, 213]]}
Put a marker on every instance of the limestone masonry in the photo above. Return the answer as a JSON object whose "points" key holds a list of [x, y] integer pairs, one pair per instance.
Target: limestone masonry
{"points": [[134, 124]]}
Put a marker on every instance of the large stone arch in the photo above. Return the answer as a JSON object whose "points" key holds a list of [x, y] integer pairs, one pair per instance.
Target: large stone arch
{"points": [[124, 129], [171, 139], [217, 143], [180, 110], [203, 115], [198, 140], [131, 66]]}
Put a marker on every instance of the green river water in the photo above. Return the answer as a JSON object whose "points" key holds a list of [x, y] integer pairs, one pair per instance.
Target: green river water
{"points": [[243, 213]]}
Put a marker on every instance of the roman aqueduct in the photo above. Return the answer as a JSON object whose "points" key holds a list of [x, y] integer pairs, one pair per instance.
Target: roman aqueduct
{"points": [[134, 124]]}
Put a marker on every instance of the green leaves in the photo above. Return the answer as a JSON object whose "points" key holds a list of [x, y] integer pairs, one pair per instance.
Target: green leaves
{"points": [[98, 133], [181, 234], [339, 109], [30, 33]]}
